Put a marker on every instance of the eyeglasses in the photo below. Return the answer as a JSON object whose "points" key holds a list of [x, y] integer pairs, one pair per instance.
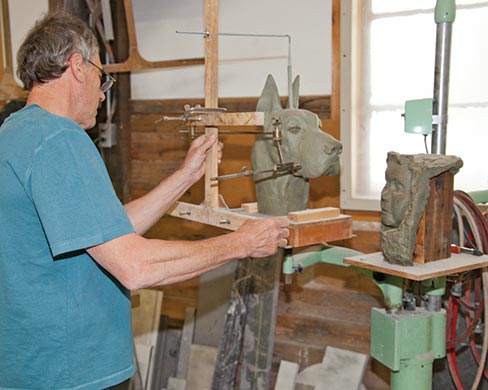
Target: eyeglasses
{"points": [[108, 83]]}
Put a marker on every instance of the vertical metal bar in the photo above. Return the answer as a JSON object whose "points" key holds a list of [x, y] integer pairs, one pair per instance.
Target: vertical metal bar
{"points": [[445, 14], [441, 87]]}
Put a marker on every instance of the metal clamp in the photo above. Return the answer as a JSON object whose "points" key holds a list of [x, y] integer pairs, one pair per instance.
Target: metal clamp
{"points": [[188, 115]]}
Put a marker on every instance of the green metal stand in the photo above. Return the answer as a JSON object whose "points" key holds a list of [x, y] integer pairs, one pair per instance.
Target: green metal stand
{"points": [[407, 342]]}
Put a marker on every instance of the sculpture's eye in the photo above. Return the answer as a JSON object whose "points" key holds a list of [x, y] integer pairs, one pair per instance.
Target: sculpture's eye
{"points": [[294, 129]]}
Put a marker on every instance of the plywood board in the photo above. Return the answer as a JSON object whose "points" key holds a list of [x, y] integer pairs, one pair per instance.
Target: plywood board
{"points": [[456, 263]]}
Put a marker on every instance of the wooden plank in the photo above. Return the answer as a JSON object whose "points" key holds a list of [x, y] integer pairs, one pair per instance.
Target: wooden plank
{"points": [[135, 299], [211, 97], [223, 218], [314, 232], [136, 62], [434, 234], [150, 173], [301, 234], [155, 146], [311, 331], [456, 263], [319, 104], [230, 119], [250, 207], [313, 214]]}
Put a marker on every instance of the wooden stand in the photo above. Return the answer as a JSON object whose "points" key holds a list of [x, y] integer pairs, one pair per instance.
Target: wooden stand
{"points": [[434, 234], [456, 263]]}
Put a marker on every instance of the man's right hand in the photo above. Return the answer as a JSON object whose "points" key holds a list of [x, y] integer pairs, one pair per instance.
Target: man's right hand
{"points": [[263, 237]]}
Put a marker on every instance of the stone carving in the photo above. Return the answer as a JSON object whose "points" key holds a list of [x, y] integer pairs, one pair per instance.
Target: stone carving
{"points": [[404, 197], [303, 142]]}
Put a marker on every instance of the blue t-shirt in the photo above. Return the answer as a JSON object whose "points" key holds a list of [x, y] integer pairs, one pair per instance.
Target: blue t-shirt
{"points": [[65, 323]]}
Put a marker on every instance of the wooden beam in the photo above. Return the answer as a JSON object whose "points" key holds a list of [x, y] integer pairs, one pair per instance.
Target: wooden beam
{"points": [[211, 98], [434, 235], [230, 119], [320, 231], [332, 125], [220, 217], [135, 61], [301, 233], [313, 214]]}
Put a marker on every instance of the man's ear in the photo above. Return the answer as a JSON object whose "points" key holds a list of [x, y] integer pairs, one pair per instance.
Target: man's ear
{"points": [[76, 67]]}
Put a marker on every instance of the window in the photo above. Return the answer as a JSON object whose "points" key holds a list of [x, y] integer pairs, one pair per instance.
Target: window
{"points": [[388, 56]]}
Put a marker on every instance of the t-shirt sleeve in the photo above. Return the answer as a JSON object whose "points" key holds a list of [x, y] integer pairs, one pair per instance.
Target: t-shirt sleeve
{"points": [[73, 194]]}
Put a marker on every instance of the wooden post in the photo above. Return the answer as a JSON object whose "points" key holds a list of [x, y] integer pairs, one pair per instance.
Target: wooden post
{"points": [[434, 234], [211, 98]]}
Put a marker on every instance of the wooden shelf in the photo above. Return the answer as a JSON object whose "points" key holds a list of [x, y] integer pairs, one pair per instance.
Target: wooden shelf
{"points": [[301, 233], [456, 263]]}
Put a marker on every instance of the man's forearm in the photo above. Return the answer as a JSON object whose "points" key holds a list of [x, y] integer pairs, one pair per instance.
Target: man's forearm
{"points": [[138, 262], [145, 211]]}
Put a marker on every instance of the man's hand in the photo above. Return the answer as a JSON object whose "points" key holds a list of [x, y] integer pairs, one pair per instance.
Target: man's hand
{"points": [[194, 164], [263, 237]]}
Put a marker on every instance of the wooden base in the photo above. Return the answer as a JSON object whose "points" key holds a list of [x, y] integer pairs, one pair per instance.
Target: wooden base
{"points": [[456, 263], [434, 234], [301, 233]]}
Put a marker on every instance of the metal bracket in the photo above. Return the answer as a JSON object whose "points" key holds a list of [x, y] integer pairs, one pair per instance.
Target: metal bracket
{"points": [[188, 115]]}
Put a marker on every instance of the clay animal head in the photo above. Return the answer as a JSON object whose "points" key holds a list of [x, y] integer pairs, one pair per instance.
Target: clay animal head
{"points": [[303, 142]]}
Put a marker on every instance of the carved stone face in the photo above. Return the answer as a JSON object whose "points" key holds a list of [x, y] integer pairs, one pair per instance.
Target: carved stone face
{"points": [[396, 196], [404, 197]]}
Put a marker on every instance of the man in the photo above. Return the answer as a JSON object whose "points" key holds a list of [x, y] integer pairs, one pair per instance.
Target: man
{"points": [[69, 251]]}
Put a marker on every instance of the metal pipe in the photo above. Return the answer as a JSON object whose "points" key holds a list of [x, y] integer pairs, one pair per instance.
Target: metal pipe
{"points": [[444, 17]]}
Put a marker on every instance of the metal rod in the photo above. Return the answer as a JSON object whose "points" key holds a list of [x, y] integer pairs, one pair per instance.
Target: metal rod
{"points": [[289, 68], [228, 132], [445, 14], [441, 87]]}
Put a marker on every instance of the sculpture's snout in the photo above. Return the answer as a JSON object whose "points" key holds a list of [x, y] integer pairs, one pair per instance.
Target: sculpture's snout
{"points": [[332, 148]]}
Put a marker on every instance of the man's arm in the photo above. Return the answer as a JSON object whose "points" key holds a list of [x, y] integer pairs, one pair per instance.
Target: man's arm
{"points": [[145, 211], [138, 262]]}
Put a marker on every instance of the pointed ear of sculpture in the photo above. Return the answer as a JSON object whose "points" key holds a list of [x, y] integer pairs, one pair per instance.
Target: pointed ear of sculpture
{"points": [[270, 98], [293, 103]]}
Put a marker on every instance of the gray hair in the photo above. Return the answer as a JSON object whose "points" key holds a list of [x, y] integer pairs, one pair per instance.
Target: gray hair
{"points": [[45, 51]]}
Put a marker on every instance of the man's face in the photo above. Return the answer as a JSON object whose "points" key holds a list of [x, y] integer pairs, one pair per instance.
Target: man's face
{"points": [[396, 196], [92, 96]]}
